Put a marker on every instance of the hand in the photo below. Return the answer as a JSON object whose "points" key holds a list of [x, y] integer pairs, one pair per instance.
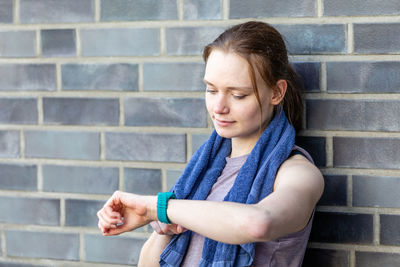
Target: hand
{"points": [[167, 229], [125, 212]]}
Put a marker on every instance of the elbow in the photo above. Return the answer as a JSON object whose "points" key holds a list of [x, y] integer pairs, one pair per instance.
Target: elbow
{"points": [[258, 226]]}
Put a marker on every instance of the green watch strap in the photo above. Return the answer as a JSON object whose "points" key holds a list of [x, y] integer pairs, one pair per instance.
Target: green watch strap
{"points": [[162, 203]]}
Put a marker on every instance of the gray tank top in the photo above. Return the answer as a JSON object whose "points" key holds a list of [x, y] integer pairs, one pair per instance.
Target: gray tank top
{"points": [[285, 251]]}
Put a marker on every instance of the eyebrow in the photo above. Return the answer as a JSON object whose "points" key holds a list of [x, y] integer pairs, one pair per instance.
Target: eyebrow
{"points": [[231, 87]]}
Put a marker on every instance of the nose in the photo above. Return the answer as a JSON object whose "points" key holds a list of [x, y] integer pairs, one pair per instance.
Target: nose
{"points": [[221, 105]]}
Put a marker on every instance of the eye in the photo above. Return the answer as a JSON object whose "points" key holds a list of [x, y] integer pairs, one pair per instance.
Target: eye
{"points": [[239, 96], [211, 91]]}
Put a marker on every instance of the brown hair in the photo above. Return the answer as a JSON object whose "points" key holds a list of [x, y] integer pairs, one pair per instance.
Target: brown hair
{"points": [[264, 49]]}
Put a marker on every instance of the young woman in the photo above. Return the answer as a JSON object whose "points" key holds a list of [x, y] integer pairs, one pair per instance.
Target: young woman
{"points": [[248, 194]]}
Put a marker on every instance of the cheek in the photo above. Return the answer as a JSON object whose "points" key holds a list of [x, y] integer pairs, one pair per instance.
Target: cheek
{"points": [[209, 105]]}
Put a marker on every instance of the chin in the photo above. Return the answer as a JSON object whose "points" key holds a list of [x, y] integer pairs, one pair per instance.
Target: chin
{"points": [[224, 133]]}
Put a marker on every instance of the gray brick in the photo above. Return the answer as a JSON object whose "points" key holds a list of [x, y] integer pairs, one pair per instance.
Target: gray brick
{"points": [[42, 11], [28, 77], [79, 212], [63, 246], [58, 43], [315, 146], [271, 8], [173, 76], [172, 177], [131, 10], [6, 11], [326, 257], [314, 39], [363, 77], [361, 7], [9, 144], [309, 75], [376, 259], [335, 191], [18, 111], [115, 77], [390, 234], [190, 40], [363, 115], [41, 211], [81, 111], [366, 152], [372, 191], [170, 112], [17, 43], [202, 10], [143, 181], [58, 144], [377, 38], [146, 147], [120, 42], [198, 140], [18, 177], [335, 227], [76, 179], [102, 249]]}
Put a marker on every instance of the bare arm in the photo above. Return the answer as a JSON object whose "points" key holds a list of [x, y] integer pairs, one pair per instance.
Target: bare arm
{"points": [[298, 186], [152, 249]]}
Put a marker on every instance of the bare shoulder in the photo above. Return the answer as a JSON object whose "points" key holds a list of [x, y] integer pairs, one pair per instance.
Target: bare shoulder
{"points": [[298, 172]]}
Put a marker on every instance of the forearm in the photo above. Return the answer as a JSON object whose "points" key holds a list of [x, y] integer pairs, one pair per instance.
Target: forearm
{"points": [[226, 222], [152, 249]]}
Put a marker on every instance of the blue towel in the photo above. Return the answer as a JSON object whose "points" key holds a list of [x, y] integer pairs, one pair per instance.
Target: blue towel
{"points": [[254, 182]]}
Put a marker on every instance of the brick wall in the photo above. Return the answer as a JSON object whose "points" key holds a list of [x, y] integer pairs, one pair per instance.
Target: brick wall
{"points": [[100, 95]]}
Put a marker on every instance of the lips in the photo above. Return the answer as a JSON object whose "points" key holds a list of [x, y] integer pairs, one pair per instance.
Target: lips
{"points": [[223, 123]]}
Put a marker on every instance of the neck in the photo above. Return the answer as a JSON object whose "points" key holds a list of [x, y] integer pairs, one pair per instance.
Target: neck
{"points": [[242, 147]]}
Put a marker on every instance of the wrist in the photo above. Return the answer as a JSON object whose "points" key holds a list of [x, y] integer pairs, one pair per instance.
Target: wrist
{"points": [[152, 208]]}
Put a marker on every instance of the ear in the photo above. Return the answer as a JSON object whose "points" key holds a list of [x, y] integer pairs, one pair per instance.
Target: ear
{"points": [[279, 92]]}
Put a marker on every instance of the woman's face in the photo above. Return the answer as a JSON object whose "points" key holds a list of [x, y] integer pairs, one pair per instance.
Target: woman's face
{"points": [[230, 97]]}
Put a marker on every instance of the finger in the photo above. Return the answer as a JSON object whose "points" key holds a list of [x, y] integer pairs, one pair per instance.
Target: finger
{"points": [[106, 221], [156, 227], [111, 213], [181, 229]]}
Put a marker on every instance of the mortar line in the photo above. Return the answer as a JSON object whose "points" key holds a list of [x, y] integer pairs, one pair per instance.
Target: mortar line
{"points": [[163, 40], [350, 190], [320, 8], [194, 23], [140, 77], [40, 110], [97, 10], [121, 111], [180, 7], [62, 212], [329, 151], [323, 78], [102, 146], [164, 180], [78, 43], [350, 38], [58, 77], [352, 258], [40, 178], [82, 254], [16, 12], [225, 9], [376, 229], [22, 144]]}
